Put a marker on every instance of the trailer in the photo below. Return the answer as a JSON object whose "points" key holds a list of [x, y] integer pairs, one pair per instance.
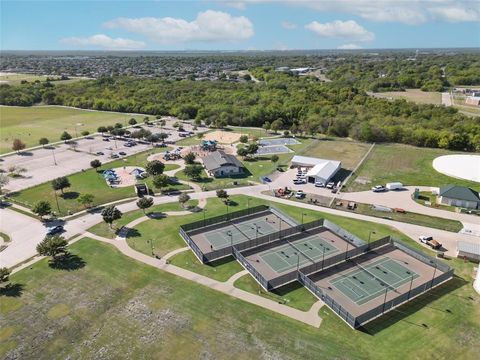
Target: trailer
{"points": [[394, 186]]}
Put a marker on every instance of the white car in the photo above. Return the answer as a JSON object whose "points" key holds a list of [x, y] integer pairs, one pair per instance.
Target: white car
{"points": [[300, 194], [424, 239], [319, 184], [378, 188], [330, 185], [299, 181]]}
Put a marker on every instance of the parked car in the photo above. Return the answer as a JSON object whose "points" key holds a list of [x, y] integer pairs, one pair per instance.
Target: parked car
{"points": [[106, 139], [122, 153], [127, 145], [299, 181], [319, 184], [51, 230], [115, 156], [424, 238], [266, 179], [109, 148], [300, 194], [280, 169], [100, 153], [378, 188], [330, 185]]}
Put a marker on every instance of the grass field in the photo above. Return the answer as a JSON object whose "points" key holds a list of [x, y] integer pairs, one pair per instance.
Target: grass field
{"points": [[115, 307], [32, 123], [412, 166], [293, 295], [414, 95], [89, 182], [16, 79], [348, 152]]}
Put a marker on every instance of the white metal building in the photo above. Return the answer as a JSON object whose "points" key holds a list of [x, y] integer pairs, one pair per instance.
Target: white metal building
{"points": [[320, 170]]}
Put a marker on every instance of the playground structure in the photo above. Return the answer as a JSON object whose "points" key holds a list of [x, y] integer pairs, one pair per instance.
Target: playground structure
{"points": [[209, 145]]}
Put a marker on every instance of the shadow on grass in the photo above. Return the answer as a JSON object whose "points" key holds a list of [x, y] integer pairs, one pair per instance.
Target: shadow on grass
{"points": [[133, 233], [70, 195], [67, 262], [286, 289], [409, 308], [221, 261], [12, 290]]}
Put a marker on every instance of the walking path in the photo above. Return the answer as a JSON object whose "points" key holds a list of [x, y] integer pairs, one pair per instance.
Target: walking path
{"points": [[310, 318]]}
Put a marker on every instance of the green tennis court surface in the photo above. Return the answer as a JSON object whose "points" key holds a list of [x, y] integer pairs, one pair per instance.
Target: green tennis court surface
{"points": [[240, 232], [310, 249], [370, 281]]}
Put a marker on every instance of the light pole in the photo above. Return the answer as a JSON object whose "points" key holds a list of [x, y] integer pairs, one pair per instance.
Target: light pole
{"points": [[56, 200], [229, 233], [369, 236], [256, 230], [385, 298], [204, 212], [409, 290], [323, 256], [298, 260], [434, 271]]}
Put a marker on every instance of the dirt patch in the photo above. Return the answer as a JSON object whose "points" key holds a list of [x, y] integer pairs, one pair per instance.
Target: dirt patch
{"points": [[223, 137]]}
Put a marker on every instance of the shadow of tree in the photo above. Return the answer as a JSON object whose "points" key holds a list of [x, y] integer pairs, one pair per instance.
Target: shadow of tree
{"points": [[12, 290], [67, 262], [70, 195], [133, 233]]}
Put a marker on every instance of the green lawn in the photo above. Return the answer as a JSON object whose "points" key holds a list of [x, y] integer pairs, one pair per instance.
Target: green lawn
{"points": [[252, 132], [91, 182], [32, 123], [220, 270], [102, 229], [16, 79], [412, 166], [294, 295], [117, 306]]}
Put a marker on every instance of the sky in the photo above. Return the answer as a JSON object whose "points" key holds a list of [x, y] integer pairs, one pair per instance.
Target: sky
{"points": [[238, 25]]}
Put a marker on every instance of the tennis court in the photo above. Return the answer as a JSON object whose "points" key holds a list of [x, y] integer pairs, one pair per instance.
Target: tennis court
{"points": [[238, 232], [368, 282], [286, 257], [273, 149], [278, 141]]}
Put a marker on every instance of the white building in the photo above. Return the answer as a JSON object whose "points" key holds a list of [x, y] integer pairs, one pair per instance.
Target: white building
{"points": [[320, 170]]}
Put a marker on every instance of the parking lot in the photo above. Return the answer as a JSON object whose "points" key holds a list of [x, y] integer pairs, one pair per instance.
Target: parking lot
{"points": [[285, 179], [43, 165]]}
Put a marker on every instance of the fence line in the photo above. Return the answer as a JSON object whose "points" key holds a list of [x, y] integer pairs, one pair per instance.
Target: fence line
{"points": [[241, 259]]}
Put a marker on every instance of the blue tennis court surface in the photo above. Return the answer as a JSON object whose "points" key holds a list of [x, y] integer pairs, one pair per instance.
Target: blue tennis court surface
{"points": [[273, 149], [278, 141], [368, 282], [300, 252]]}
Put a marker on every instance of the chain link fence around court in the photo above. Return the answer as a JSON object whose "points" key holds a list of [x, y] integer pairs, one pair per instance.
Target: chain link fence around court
{"points": [[445, 273]]}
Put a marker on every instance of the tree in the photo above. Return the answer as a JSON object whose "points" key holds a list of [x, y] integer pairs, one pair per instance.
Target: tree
{"points": [[242, 152], [193, 171], [42, 208], [110, 214], [145, 203], [252, 148], [132, 121], [4, 180], [86, 200], [43, 141], [244, 139], [266, 125], [53, 246], [189, 158], [274, 158], [60, 183], [95, 163], [85, 133], [286, 133], [161, 181], [118, 126], [183, 199], [276, 125], [102, 129], [4, 275], [155, 167], [18, 145], [65, 136], [222, 194]]}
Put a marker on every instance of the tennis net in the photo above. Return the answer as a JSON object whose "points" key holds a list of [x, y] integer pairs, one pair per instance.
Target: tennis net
{"points": [[381, 281]]}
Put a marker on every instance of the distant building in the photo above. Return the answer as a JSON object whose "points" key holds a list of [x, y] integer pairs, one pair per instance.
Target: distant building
{"points": [[219, 164], [473, 100], [459, 196], [320, 170], [468, 250]]}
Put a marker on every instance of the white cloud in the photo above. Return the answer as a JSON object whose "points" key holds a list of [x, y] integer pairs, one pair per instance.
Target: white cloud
{"points": [[288, 25], [208, 26], [410, 12], [102, 41], [349, 47], [339, 29], [239, 5], [456, 14]]}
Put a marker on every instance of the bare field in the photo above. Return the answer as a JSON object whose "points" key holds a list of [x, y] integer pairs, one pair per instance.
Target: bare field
{"points": [[414, 95]]}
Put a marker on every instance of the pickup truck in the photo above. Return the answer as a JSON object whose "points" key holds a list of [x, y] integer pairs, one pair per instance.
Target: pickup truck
{"points": [[430, 241], [379, 188]]}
